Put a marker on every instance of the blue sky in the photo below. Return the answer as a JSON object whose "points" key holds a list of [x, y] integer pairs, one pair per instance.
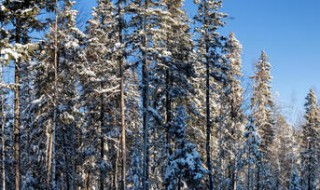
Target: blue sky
{"points": [[288, 30]]}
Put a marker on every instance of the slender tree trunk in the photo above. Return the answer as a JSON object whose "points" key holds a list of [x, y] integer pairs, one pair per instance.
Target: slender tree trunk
{"points": [[122, 101], [52, 160], [88, 181], [220, 178], [145, 99], [116, 164], [168, 110], [258, 175], [17, 112], [3, 138], [102, 111], [208, 140], [249, 170], [179, 182]]}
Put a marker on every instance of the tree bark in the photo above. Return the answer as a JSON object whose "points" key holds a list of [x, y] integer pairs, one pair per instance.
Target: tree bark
{"points": [[145, 99], [102, 111], [122, 100], [17, 112], [51, 171], [208, 139], [3, 119]]}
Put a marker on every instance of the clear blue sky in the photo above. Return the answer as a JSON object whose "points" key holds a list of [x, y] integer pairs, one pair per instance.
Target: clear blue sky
{"points": [[288, 30]]}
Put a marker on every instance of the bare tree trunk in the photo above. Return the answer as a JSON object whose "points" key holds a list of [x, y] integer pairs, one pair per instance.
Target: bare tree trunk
{"points": [[145, 99], [116, 163], [17, 113], [52, 160], [258, 176], [101, 137], [122, 102], [248, 174], [3, 124], [88, 182], [208, 140], [168, 110]]}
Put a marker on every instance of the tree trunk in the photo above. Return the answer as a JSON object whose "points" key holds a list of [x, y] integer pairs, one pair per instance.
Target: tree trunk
{"points": [[102, 111], [3, 124], [122, 101], [168, 110], [145, 99], [51, 171], [116, 163], [208, 140], [249, 170], [17, 112]]}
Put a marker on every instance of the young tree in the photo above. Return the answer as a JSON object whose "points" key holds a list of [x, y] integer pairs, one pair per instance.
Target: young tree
{"points": [[310, 143], [282, 154], [250, 156], [184, 168], [261, 105]]}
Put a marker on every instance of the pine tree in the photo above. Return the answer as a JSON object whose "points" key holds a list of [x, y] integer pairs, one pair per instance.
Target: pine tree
{"points": [[209, 19], [55, 108], [98, 79], [170, 81], [147, 47], [233, 115], [3, 118], [23, 16], [261, 105], [310, 143]]}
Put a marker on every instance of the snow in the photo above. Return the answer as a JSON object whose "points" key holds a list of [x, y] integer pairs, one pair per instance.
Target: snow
{"points": [[72, 45], [10, 54], [113, 89]]}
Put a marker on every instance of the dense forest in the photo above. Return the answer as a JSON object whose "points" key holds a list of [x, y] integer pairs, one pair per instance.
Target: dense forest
{"points": [[142, 97]]}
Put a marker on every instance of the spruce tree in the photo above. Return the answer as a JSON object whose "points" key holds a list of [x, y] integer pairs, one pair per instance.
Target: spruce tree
{"points": [[261, 105], [184, 167], [208, 44], [310, 143], [98, 78], [249, 156], [55, 108], [233, 114]]}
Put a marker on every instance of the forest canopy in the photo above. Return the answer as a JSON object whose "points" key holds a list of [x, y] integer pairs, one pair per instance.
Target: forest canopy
{"points": [[142, 97]]}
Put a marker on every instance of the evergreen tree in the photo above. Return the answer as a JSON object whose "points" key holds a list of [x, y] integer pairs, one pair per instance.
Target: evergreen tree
{"points": [[233, 114], [262, 105], [55, 108], [310, 143], [294, 179], [21, 18], [282, 155], [184, 167], [95, 81], [208, 44], [250, 156]]}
